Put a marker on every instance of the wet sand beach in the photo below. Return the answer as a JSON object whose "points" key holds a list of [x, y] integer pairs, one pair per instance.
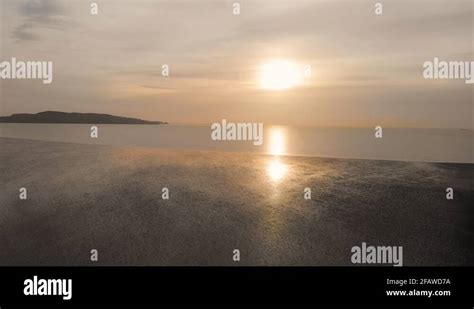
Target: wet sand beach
{"points": [[109, 198]]}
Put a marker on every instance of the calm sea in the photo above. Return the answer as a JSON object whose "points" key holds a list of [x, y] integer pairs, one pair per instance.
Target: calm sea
{"points": [[430, 145]]}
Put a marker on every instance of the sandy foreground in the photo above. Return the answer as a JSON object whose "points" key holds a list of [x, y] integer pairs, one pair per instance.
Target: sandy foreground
{"points": [[83, 197]]}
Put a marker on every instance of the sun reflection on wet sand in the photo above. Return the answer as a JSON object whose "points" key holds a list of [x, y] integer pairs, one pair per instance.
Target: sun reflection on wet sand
{"points": [[276, 169]]}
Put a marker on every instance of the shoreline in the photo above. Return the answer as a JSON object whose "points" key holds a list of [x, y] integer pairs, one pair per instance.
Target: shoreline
{"points": [[233, 152]]}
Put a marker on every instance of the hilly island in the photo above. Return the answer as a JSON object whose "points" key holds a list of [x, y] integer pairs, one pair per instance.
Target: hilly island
{"points": [[62, 117]]}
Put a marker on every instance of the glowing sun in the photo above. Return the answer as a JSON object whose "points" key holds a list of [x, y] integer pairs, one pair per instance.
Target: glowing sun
{"points": [[280, 74]]}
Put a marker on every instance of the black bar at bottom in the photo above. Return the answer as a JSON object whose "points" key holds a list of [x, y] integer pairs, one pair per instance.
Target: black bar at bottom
{"points": [[241, 285]]}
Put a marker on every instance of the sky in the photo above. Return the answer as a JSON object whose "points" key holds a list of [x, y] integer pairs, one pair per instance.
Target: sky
{"points": [[366, 69]]}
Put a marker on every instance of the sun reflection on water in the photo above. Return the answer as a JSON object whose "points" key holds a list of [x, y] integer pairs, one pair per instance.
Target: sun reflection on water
{"points": [[277, 142], [276, 169]]}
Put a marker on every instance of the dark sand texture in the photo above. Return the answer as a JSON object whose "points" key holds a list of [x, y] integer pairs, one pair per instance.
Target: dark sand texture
{"points": [[83, 197]]}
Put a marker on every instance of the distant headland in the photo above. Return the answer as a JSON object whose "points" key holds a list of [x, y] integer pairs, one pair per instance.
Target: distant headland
{"points": [[61, 117]]}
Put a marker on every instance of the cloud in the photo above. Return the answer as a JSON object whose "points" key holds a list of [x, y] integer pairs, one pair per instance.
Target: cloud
{"points": [[23, 32], [38, 14]]}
